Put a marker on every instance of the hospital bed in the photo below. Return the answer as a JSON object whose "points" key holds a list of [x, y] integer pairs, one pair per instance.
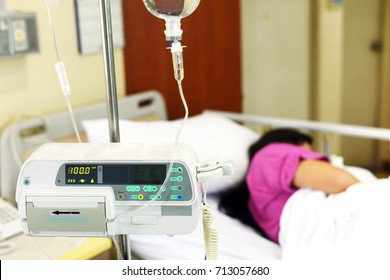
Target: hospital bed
{"points": [[143, 118]]}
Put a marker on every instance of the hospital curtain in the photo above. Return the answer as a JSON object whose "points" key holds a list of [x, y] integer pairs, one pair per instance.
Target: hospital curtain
{"points": [[212, 58]]}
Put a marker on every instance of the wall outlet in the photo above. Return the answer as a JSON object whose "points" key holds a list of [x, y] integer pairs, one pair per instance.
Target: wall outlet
{"points": [[18, 34]]}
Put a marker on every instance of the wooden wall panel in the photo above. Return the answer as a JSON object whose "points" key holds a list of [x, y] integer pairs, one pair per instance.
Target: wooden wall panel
{"points": [[212, 58]]}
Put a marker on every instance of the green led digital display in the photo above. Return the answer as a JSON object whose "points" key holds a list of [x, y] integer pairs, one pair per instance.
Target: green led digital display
{"points": [[115, 174], [80, 174]]}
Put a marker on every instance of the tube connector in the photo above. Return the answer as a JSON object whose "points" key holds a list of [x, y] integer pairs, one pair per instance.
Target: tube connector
{"points": [[177, 59], [63, 78], [173, 30]]}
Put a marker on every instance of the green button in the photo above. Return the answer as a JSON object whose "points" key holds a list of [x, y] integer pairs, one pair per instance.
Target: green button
{"points": [[173, 188], [149, 188], [176, 179], [152, 196], [137, 196], [173, 197], [177, 170], [133, 188]]}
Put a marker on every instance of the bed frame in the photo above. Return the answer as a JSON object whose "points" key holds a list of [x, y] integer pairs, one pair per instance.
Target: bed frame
{"points": [[315, 126], [20, 137]]}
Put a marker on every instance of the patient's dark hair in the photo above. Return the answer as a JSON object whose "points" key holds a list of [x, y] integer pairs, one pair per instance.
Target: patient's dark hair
{"points": [[234, 201]]}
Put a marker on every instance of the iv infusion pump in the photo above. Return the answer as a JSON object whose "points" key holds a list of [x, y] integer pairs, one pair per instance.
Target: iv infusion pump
{"points": [[87, 189]]}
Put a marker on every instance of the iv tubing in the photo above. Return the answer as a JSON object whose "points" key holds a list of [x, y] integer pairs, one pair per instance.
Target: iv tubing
{"points": [[176, 146], [177, 59], [60, 69], [52, 30], [73, 118], [183, 100]]}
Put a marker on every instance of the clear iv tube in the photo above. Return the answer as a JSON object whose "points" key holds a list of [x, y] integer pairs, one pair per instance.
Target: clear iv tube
{"points": [[178, 68], [60, 69], [173, 32], [52, 30], [175, 148], [185, 115], [177, 59]]}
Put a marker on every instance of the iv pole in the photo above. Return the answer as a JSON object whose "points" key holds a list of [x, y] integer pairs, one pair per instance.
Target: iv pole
{"points": [[109, 66], [112, 102]]}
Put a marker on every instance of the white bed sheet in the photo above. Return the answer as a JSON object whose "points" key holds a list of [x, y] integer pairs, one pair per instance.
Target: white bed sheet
{"points": [[351, 225], [213, 138], [236, 242]]}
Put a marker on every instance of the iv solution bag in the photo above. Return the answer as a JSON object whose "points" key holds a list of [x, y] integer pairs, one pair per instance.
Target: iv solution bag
{"points": [[171, 8], [172, 11]]}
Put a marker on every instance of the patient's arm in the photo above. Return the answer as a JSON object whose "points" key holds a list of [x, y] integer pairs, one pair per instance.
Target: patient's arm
{"points": [[321, 175]]}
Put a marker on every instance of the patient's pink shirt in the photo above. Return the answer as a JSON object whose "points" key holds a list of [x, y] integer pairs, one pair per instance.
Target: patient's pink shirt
{"points": [[269, 180]]}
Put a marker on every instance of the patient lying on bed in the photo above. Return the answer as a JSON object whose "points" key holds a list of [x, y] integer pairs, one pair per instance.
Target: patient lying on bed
{"points": [[313, 222], [281, 162], [295, 197]]}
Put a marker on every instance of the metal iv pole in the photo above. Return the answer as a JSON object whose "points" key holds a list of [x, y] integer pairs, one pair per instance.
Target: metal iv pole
{"points": [[112, 102]]}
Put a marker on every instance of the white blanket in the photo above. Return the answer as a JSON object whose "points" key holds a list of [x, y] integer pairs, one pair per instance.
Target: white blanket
{"points": [[354, 224], [236, 242]]}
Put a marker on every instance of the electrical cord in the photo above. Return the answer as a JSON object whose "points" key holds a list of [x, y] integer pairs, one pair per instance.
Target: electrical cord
{"points": [[210, 234]]}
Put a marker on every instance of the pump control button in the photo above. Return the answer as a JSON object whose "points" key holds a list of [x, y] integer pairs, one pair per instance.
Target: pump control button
{"points": [[176, 179]]}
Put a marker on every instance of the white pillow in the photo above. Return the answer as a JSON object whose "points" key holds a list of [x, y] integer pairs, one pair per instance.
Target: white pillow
{"points": [[212, 137]]}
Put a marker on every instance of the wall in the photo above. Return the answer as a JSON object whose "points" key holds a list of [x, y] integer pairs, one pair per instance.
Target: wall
{"points": [[384, 151], [328, 87], [276, 57], [347, 71], [292, 60], [310, 60], [329, 63], [361, 77], [29, 84]]}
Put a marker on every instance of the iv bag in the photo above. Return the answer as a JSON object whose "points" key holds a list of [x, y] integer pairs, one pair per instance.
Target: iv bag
{"points": [[171, 8], [172, 11]]}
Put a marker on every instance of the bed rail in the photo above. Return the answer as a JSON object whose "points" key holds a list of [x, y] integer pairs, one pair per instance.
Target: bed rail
{"points": [[21, 136], [315, 126]]}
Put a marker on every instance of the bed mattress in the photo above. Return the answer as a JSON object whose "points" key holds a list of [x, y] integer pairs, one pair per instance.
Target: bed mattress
{"points": [[236, 242]]}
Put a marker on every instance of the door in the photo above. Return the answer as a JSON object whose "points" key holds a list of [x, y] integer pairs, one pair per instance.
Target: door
{"points": [[212, 58], [361, 77]]}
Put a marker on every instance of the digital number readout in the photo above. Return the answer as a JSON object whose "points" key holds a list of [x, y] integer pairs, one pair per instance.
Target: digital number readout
{"points": [[79, 170], [115, 174], [81, 174]]}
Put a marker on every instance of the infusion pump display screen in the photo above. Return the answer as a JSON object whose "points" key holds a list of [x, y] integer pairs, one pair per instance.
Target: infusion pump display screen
{"points": [[115, 174], [130, 182]]}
